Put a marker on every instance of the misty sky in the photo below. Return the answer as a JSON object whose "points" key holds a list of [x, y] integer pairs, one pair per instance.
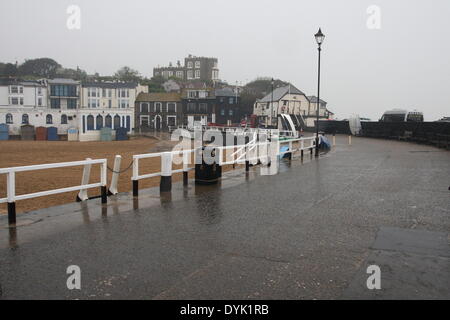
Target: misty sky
{"points": [[405, 64]]}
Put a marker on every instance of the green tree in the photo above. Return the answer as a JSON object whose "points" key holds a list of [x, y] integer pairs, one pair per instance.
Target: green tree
{"points": [[8, 70], [127, 74], [41, 67]]}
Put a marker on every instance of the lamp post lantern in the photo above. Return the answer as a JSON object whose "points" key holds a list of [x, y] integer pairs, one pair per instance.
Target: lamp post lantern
{"points": [[319, 39]]}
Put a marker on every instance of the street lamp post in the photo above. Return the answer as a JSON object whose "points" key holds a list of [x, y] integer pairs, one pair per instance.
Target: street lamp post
{"points": [[319, 39], [271, 105]]}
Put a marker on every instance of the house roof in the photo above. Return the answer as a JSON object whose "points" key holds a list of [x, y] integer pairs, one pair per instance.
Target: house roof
{"points": [[225, 92], [15, 81], [280, 92], [63, 81], [313, 99], [158, 96], [110, 85]]}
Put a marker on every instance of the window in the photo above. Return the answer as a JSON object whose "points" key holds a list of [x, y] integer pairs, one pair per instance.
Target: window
{"points": [[230, 112], [171, 107], [158, 106], [170, 73], [180, 74], [108, 121], [90, 122], [197, 74], [25, 119], [197, 64], [9, 118], [39, 90], [144, 107], [202, 94], [63, 90], [93, 103], [189, 64], [92, 92], [49, 119], [39, 102], [71, 104], [171, 121], [63, 119], [222, 112], [191, 107], [192, 94], [123, 103], [17, 100], [55, 103], [110, 103], [231, 100], [202, 107], [124, 93], [16, 89], [116, 121], [99, 122], [189, 74]]}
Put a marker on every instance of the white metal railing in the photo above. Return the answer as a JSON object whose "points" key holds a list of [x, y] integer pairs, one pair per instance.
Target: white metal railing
{"points": [[11, 196], [11, 180]]}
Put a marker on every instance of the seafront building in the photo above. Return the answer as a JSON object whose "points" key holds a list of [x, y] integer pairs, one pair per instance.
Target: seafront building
{"points": [[68, 104]]}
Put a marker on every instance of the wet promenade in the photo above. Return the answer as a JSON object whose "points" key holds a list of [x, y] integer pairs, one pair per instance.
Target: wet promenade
{"points": [[308, 232]]}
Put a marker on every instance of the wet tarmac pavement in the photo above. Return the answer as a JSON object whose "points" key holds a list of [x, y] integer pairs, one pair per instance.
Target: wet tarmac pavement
{"points": [[307, 232]]}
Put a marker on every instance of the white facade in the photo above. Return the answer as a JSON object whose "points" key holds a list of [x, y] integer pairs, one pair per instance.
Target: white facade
{"points": [[64, 104], [107, 104]]}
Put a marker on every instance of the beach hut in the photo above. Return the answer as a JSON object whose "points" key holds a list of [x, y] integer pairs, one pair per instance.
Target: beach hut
{"points": [[4, 131], [52, 134], [72, 134], [27, 132], [105, 134], [41, 133], [121, 134]]}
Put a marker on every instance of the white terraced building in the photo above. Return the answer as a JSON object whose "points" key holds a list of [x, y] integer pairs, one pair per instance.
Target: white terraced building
{"points": [[107, 104], [66, 103]]}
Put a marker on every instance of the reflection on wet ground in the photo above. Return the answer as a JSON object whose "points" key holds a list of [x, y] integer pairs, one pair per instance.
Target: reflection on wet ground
{"points": [[303, 233]]}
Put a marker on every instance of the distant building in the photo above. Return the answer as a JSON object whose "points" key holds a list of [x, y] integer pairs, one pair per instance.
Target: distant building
{"points": [[227, 108], [198, 106], [194, 68], [283, 100], [158, 111], [107, 104], [38, 103], [66, 103]]}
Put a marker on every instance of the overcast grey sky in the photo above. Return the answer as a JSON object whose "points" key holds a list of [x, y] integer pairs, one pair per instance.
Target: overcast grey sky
{"points": [[404, 64]]}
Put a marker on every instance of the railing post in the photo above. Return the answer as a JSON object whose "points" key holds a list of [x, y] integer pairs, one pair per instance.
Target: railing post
{"points": [[186, 161], [134, 178], [83, 194], [166, 172], [349, 139], [334, 140], [302, 146], [11, 194], [104, 181], [115, 175], [247, 158], [290, 150]]}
